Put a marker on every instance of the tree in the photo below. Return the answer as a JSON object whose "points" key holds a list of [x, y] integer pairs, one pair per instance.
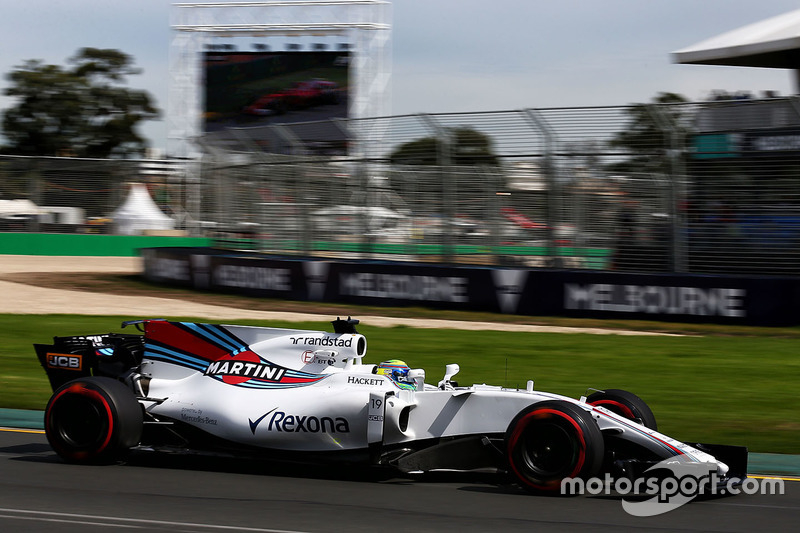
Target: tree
{"points": [[82, 111], [467, 147], [651, 134]]}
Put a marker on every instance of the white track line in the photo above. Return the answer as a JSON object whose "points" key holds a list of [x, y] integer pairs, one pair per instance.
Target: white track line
{"points": [[114, 521]]}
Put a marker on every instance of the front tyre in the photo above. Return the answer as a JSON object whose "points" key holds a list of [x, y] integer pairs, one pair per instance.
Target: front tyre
{"points": [[550, 441], [93, 420], [625, 404]]}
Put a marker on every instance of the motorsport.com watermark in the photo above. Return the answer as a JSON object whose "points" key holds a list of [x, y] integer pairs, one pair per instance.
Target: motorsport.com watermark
{"points": [[668, 492]]}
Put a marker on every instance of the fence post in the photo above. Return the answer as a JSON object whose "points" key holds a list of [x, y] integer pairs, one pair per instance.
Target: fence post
{"points": [[35, 191], [190, 181], [492, 187], [301, 177], [553, 205], [673, 137], [361, 171], [444, 160]]}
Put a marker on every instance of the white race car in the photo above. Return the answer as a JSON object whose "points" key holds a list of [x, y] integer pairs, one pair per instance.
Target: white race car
{"points": [[298, 394]]}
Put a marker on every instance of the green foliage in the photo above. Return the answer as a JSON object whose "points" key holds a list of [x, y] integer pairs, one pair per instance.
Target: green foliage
{"points": [[651, 133], [465, 146], [728, 390], [83, 111]]}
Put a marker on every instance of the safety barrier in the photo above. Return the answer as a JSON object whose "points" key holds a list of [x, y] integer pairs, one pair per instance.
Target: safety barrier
{"points": [[677, 298]]}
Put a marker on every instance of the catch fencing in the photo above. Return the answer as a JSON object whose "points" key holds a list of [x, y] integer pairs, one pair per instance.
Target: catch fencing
{"points": [[79, 195], [711, 187], [705, 187]]}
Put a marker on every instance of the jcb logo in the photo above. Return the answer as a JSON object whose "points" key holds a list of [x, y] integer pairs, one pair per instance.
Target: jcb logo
{"points": [[64, 361]]}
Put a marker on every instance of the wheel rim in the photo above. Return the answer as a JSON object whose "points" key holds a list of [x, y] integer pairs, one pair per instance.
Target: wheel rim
{"points": [[80, 422], [548, 451], [546, 446]]}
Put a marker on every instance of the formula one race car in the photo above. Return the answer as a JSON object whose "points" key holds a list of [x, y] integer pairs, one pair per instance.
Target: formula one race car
{"points": [[308, 395], [300, 95]]}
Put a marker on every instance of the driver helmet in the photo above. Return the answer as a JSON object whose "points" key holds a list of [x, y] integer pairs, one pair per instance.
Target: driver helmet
{"points": [[397, 371]]}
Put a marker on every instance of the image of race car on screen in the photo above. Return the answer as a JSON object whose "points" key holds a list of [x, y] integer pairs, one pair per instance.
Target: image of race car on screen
{"points": [[301, 95], [310, 396]]}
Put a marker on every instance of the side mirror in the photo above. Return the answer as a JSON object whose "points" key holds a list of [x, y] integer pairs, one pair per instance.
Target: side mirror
{"points": [[417, 375], [450, 371]]}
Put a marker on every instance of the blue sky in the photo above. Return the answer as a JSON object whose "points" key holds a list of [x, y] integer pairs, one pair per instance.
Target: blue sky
{"points": [[450, 55]]}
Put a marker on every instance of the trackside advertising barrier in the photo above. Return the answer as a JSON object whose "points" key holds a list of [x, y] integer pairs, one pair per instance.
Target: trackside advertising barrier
{"points": [[765, 301]]}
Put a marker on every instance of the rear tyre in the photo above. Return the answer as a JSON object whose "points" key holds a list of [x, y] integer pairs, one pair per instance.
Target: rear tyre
{"points": [[551, 441], [93, 420], [625, 404]]}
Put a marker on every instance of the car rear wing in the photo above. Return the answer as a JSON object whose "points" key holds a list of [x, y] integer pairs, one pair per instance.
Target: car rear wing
{"points": [[109, 354]]}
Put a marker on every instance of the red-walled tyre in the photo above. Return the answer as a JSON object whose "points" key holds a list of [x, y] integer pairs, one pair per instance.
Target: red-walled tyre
{"points": [[93, 420], [551, 441], [625, 404]]}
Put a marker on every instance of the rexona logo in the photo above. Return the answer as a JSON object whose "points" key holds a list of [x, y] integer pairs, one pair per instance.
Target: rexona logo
{"points": [[242, 367], [64, 361], [286, 423]]}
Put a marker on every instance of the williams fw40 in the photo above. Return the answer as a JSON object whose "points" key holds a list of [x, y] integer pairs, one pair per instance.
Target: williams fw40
{"points": [[308, 395]]}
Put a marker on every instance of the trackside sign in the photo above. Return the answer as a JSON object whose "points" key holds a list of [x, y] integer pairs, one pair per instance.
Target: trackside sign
{"points": [[404, 286], [755, 300], [655, 300]]}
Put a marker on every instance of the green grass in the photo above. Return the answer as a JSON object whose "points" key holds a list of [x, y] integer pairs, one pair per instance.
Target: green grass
{"points": [[725, 389]]}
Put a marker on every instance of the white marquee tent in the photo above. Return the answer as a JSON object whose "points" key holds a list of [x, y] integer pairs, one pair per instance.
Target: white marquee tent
{"points": [[139, 213], [19, 207]]}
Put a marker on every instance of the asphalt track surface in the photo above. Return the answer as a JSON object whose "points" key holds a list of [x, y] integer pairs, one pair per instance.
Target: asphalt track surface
{"points": [[159, 492]]}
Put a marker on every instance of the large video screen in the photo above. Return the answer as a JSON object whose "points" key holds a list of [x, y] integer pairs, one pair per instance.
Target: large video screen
{"points": [[252, 89]]}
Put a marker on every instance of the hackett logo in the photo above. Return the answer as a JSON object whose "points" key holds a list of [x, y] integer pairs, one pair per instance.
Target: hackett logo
{"points": [[364, 381]]}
